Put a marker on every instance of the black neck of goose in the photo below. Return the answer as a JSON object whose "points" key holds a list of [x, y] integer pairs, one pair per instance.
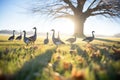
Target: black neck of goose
{"points": [[53, 34], [47, 35], [93, 34], [24, 34], [35, 32], [58, 36], [13, 33]]}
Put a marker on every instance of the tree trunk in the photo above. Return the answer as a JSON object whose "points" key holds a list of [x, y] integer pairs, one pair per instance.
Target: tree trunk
{"points": [[79, 26]]}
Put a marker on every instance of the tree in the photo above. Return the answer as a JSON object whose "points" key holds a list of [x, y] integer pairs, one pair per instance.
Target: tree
{"points": [[78, 10]]}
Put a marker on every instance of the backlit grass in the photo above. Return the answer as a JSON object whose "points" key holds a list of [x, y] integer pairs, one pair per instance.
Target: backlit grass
{"points": [[79, 61]]}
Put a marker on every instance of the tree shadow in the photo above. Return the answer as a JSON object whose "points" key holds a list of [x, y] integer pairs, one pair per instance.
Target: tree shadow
{"points": [[4, 41], [106, 40], [14, 44], [81, 52], [34, 67]]}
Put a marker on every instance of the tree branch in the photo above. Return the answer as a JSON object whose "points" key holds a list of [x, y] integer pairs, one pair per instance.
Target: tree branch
{"points": [[92, 4], [103, 13], [62, 8], [80, 4], [60, 12], [70, 5], [99, 8]]}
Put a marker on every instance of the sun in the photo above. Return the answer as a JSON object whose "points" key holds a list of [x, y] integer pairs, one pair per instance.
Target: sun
{"points": [[64, 26]]}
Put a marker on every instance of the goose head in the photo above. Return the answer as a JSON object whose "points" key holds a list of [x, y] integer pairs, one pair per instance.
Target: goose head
{"points": [[24, 31], [47, 33], [52, 30], [34, 28], [13, 30], [93, 31]]}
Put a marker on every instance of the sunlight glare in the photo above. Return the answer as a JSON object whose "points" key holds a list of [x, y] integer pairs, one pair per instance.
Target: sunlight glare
{"points": [[64, 26]]}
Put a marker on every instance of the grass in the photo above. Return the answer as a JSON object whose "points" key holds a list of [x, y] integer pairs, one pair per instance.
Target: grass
{"points": [[79, 61]]}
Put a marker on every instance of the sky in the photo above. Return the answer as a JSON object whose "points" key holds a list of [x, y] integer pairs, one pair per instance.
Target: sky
{"points": [[14, 14]]}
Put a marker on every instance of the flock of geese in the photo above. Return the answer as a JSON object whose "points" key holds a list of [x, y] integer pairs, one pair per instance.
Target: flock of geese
{"points": [[57, 41]]}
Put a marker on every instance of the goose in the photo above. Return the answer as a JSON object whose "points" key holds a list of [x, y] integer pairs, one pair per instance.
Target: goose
{"points": [[19, 37], [34, 37], [11, 38], [89, 39], [71, 40], [56, 41], [26, 39], [46, 41]]}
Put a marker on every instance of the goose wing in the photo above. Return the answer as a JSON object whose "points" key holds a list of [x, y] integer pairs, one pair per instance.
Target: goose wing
{"points": [[19, 37], [88, 39], [57, 41], [11, 38], [46, 41], [27, 40], [62, 42], [71, 40], [33, 38]]}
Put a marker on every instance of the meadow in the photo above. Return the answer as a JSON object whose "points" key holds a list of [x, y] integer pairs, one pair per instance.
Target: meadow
{"points": [[79, 61]]}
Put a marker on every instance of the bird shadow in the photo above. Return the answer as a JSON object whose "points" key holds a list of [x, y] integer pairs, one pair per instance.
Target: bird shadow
{"points": [[106, 40], [80, 52], [4, 41], [34, 67]]}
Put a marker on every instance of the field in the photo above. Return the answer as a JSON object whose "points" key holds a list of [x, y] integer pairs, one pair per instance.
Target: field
{"points": [[99, 60]]}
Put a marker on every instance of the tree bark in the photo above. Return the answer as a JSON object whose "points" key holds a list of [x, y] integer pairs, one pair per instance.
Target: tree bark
{"points": [[79, 26]]}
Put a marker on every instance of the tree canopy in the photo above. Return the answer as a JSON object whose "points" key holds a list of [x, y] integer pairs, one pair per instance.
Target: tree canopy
{"points": [[67, 8], [78, 10]]}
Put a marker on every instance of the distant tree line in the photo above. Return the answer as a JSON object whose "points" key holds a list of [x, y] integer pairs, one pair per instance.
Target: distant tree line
{"points": [[18, 32], [6, 31], [117, 35], [11, 32]]}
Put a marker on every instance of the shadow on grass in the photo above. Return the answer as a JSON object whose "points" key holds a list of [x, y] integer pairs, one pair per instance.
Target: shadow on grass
{"points": [[14, 44], [4, 41], [82, 53], [33, 68], [106, 40]]}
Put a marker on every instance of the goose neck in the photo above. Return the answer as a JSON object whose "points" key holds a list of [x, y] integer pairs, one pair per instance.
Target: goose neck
{"points": [[24, 34], [53, 34], [58, 36], [35, 31], [47, 36], [92, 34], [13, 33]]}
